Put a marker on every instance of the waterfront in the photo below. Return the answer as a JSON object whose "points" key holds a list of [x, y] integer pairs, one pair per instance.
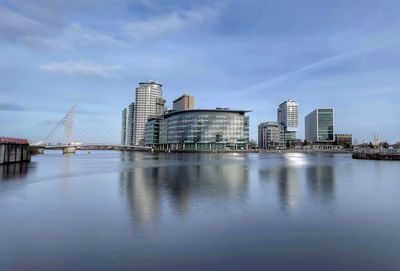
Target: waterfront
{"points": [[155, 211]]}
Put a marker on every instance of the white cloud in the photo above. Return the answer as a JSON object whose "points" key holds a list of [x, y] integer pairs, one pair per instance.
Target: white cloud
{"points": [[13, 25], [72, 36], [44, 32], [160, 25], [78, 68]]}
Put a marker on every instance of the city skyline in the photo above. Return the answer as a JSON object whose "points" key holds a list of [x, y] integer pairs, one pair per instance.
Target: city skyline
{"points": [[344, 57]]}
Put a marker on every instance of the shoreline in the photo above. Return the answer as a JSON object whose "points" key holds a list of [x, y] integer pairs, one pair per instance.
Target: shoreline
{"points": [[254, 151]]}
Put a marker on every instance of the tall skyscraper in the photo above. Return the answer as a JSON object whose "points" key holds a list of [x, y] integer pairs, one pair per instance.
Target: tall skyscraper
{"points": [[131, 124], [128, 125], [124, 126], [319, 126], [184, 102], [148, 103], [288, 117]]}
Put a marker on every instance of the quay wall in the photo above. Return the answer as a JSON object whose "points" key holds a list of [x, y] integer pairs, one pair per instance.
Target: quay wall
{"points": [[13, 150]]}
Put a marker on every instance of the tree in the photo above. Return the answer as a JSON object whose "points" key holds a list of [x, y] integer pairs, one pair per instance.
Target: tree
{"points": [[384, 145], [305, 142]]}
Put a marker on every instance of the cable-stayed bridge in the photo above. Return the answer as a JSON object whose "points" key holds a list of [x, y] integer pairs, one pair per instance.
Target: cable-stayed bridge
{"points": [[80, 129]]}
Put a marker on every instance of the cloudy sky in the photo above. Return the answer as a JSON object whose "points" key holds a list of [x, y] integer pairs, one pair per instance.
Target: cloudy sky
{"points": [[230, 53]]}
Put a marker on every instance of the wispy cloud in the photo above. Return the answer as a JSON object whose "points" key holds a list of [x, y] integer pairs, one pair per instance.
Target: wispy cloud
{"points": [[14, 25], [319, 65], [78, 68], [11, 107], [172, 22], [72, 36]]}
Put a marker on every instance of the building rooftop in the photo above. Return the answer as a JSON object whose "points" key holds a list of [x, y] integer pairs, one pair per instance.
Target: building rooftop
{"points": [[151, 82], [288, 101], [268, 123], [208, 110], [180, 97]]}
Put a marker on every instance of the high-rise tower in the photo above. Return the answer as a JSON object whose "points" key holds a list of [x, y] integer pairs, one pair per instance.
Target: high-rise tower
{"points": [[288, 117], [148, 102]]}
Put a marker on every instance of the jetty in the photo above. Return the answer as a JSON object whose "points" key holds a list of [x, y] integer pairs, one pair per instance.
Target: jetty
{"points": [[14, 150], [376, 154]]}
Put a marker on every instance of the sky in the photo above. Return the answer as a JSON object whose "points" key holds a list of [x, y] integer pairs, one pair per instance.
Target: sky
{"points": [[230, 53]]}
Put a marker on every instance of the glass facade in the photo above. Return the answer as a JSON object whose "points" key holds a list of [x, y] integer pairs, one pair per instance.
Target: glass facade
{"points": [[204, 129], [319, 126], [152, 132], [269, 135], [325, 125]]}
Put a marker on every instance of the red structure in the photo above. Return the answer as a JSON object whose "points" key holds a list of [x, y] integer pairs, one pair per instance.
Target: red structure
{"points": [[12, 140]]}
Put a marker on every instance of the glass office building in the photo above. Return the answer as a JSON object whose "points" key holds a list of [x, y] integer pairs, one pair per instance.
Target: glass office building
{"points": [[269, 135], [319, 126], [201, 129], [152, 131]]}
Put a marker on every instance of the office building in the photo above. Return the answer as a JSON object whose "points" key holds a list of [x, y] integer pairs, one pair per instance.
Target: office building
{"points": [[319, 126], [148, 103], [124, 126], [269, 135], [185, 102], [152, 131], [199, 129], [131, 124], [128, 125], [288, 117]]}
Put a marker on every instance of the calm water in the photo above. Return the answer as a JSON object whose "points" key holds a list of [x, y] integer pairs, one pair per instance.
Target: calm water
{"points": [[142, 211]]}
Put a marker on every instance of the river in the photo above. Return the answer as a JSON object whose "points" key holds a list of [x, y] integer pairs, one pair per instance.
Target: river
{"points": [[108, 210]]}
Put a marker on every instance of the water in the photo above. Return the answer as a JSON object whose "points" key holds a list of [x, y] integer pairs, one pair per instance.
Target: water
{"points": [[143, 211]]}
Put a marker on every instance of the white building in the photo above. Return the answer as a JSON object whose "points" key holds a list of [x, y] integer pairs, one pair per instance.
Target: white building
{"points": [[288, 117], [148, 103]]}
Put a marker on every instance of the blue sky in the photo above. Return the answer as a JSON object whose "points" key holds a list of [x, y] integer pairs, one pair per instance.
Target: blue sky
{"points": [[239, 54]]}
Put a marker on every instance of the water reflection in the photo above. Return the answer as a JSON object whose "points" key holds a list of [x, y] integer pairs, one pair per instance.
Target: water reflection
{"points": [[147, 188], [13, 171], [288, 187], [143, 196], [321, 181], [315, 171], [66, 171]]}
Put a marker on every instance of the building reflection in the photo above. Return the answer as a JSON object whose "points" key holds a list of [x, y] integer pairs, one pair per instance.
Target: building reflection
{"points": [[288, 187], [318, 177], [321, 181], [179, 185], [142, 191], [13, 171]]}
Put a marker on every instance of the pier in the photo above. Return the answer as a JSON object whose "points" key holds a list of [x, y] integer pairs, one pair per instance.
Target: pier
{"points": [[14, 150], [372, 154]]}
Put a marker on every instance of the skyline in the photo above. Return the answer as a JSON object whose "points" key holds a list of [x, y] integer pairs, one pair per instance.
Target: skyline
{"points": [[337, 54]]}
